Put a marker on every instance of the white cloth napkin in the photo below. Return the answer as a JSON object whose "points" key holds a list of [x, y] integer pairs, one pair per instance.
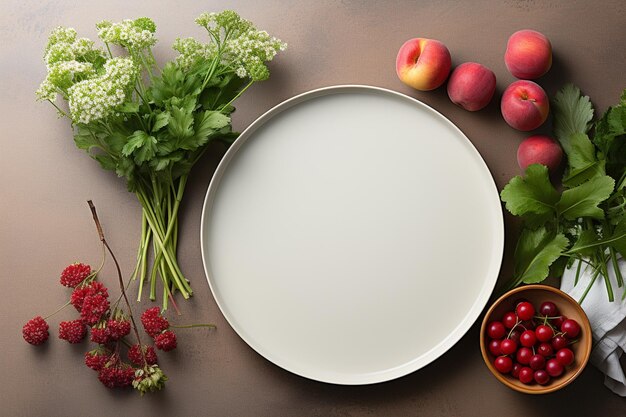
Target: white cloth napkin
{"points": [[608, 321]]}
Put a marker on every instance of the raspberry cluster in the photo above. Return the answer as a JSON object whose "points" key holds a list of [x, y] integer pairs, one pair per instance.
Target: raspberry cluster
{"points": [[75, 274], [157, 327], [109, 326]]}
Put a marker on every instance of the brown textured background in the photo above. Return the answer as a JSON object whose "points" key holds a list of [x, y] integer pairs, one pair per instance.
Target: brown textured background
{"points": [[45, 223]]}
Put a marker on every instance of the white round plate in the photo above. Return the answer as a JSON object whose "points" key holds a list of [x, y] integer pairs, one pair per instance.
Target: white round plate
{"points": [[352, 235]]}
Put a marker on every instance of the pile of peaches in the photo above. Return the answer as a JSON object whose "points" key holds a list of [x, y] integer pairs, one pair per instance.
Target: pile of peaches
{"points": [[425, 64]]}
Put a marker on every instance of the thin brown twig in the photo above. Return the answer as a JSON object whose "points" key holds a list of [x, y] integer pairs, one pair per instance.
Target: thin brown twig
{"points": [[119, 275]]}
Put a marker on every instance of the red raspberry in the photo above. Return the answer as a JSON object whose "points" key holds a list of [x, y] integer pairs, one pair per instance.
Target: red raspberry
{"points": [[116, 376], [125, 376], [78, 296], [100, 334], [108, 376], [165, 341], [35, 331], [73, 331], [93, 308], [118, 328], [93, 288], [153, 322], [75, 274], [97, 359], [134, 355]]}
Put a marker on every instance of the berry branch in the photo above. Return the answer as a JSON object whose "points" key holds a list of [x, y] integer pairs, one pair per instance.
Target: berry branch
{"points": [[119, 276]]}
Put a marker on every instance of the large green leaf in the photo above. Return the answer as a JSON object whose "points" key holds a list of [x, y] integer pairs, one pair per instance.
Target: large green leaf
{"points": [[209, 122], [161, 120], [180, 125], [572, 114], [582, 161], [583, 200], [141, 145], [536, 250], [530, 194]]}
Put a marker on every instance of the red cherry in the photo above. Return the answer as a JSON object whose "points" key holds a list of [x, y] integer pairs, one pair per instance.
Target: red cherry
{"points": [[508, 346], [544, 332], [554, 367], [509, 320], [515, 335], [571, 328], [526, 375], [565, 356], [528, 324], [548, 308], [523, 355], [496, 330], [525, 310], [503, 364], [545, 349], [537, 362], [558, 321], [516, 369], [494, 347], [528, 338], [541, 377], [559, 342]]}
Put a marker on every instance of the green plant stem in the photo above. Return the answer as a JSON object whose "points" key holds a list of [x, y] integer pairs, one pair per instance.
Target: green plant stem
{"points": [[158, 236], [580, 264], [57, 310], [593, 279], [237, 96], [173, 218], [605, 274], [618, 273]]}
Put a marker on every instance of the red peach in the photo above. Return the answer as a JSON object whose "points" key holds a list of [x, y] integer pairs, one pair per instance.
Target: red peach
{"points": [[525, 105], [471, 86], [423, 64], [539, 149], [528, 54]]}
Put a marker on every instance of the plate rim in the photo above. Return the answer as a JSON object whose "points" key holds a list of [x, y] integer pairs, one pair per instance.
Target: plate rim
{"points": [[446, 343]]}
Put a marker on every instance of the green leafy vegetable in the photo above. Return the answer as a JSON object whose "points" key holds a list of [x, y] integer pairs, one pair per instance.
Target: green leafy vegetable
{"points": [[531, 194], [151, 125], [536, 250], [587, 219], [583, 200]]}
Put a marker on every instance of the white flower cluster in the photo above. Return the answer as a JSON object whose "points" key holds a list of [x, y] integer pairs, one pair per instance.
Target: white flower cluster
{"points": [[61, 34], [97, 97], [243, 47], [69, 60], [191, 52], [135, 34], [249, 52]]}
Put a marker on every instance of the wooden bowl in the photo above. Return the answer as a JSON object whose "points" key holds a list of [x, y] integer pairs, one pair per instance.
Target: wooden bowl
{"points": [[537, 294]]}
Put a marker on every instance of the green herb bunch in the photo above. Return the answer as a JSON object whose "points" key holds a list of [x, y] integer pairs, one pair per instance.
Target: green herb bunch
{"points": [[151, 125], [584, 225]]}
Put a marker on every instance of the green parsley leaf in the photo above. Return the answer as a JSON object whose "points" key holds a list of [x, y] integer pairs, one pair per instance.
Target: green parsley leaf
{"points": [[583, 200], [106, 162], [536, 250], [208, 123], [572, 114], [586, 243], [142, 145], [161, 120], [181, 122], [530, 194], [582, 162], [129, 107]]}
